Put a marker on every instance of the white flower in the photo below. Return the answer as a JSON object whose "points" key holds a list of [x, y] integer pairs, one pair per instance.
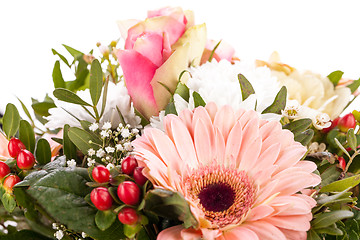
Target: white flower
{"points": [[71, 163], [100, 153], [110, 149], [91, 152], [104, 134], [90, 162], [119, 147], [68, 113], [322, 120], [54, 226], [84, 235], [106, 126], [59, 234], [125, 133], [93, 127], [292, 109], [135, 131], [110, 166], [128, 146]]}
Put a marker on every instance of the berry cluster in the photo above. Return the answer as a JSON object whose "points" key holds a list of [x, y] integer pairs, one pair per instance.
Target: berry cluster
{"points": [[128, 191], [25, 160]]}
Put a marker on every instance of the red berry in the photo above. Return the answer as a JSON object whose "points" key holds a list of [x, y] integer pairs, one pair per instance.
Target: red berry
{"points": [[4, 170], [139, 176], [101, 198], [128, 192], [25, 159], [346, 122], [101, 174], [128, 216], [342, 163], [10, 181], [128, 165], [15, 146]]}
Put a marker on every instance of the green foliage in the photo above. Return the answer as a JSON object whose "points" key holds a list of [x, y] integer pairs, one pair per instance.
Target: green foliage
{"points": [[170, 108], [198, 100], [335, 77], [24, 235], [27, 135], [69, 147], [279, 102], [83, 139], [11, 120], [183, 91], [8, 202], [341, 185], [69, 96], [300, 130], [43, 151], [354, 86], [246, 87], [171, 205], [57, 76], [96, 81], [104, 219]]}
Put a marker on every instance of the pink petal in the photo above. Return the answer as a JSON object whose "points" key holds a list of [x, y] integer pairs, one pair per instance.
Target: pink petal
{"points": [[186, 116], [138, 73], [202, 142], [234, 142], [4, 153], [223, 51], [243, 232], [290, 205], [224, 120], [259, 212], [307, 166], [290, 156], [296, 223], [150, 45], [174, 12], [265, 230], [172, 233], [250, 156], [125, 25], [294, 235], [220, 147], [211, 108]]}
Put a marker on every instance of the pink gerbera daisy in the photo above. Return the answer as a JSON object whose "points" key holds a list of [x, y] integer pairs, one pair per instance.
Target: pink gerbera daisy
{"points": [[241, 175]]}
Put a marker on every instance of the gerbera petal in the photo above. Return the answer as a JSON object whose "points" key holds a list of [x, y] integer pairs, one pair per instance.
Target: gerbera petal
{"points": [[211, 108], [172, 233], [224, 120], [260, 212], [234, 142], [296, 222], [294, 235], [244, 232], [202, 142], [266, 231]]}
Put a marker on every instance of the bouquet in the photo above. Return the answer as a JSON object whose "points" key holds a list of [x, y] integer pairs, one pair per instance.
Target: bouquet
{"points": [[169, 135]]}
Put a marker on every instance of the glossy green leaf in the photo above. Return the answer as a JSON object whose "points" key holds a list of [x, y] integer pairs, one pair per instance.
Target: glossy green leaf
{"points": [[305, 137], [8, 202], [246, 87], [103, 105], [43, 151], [80, 83], [96, 81], [326, 219], [298, 126], [170, 108], [330, 175], [198, 100], [75, 53], [61, 57], [11, 120], [170, 205], [354, 86], [341, 147], [279, 102], [325, 199], [27, 135], [341, 185], [25, 109], [24, 200], [68, 146], [68, 96], [213, 51], [312, 235], [356, 115], [83, 140], [335, 77], [58, 79], [24, 235], [332, 230], [183, 91], [131, 230], [351, 139], [104, 219], [42, 108]]}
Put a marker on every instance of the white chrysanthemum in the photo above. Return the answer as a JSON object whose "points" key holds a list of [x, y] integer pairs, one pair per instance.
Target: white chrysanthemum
{"points": [[218, 82], [117, 96], [71, 163]]}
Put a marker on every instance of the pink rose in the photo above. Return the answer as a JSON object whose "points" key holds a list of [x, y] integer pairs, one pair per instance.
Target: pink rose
{"points": [[156, 51], [223, 51]]}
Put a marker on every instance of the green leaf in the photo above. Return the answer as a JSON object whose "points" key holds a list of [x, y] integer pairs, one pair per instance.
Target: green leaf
{"points": [[305, 137], [326, 219], [75, 53], [61, 194], [312, 235], [183, 91], [170, 108], [351, 139], [61, 57], [354, 86], [335, 77], [26, 111], [68, 146], [279, 102], [80, 83], [170, 205], [341, 185], [329, 175], [198, 100], [43, 151], [323, 200], [131, 230], [24, 235], [298, 126], [11, 120], [27, 135], [213, 51], [103, 105], [341, 147], [83, 140], [8, 202], [42, 108], [58, 79], [104, 219], [332, 230], [96, 81], [68, 96], [246, 87]]}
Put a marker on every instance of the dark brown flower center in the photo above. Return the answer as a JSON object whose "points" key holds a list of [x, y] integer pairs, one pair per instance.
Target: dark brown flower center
{"points": [[217, 197]]}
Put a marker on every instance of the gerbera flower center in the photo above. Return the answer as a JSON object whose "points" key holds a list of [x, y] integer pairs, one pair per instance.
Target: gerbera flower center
{"points": [[225, 195]]}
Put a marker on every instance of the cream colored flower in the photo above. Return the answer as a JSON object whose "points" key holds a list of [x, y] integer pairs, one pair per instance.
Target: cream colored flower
{"points": [[310, 89]]}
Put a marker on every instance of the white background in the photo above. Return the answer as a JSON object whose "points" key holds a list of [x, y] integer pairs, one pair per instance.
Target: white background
{"points": [[319, 35]]}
